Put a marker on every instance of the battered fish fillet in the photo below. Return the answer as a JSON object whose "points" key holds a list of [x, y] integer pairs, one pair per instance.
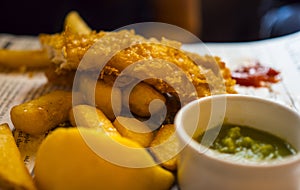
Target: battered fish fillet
{"points": [[126, 55]]}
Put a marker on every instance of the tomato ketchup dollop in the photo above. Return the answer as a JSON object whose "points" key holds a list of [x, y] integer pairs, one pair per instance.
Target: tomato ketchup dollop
{"points": [[255, 75]]}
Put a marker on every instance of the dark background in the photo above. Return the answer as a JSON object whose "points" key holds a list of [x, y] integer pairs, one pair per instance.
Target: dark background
{"points": [[222, 20]]}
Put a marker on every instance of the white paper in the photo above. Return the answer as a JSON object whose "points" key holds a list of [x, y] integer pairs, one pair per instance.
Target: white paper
{"points": [[282, 54]]}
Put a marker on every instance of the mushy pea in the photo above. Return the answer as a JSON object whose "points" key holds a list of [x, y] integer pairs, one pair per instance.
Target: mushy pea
{"points": [[247, 142]]}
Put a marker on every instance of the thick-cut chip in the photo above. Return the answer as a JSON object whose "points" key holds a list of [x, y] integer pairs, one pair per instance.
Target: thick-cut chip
{"points": [[38, 116], [165, 147], [90, 117], [13, 173], [76, 24], [134, 129], [24, 58], [143, 100], [104, 96]]}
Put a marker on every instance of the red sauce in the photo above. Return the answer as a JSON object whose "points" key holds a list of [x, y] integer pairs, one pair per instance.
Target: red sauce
{"points": [[255, 75]]}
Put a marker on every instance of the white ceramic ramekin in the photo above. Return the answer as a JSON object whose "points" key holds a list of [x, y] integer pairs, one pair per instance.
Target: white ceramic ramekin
{"points": [[201, 168]]}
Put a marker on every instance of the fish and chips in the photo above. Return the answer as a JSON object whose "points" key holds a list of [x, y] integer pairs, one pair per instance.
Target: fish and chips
{"points": [[131, 73]]}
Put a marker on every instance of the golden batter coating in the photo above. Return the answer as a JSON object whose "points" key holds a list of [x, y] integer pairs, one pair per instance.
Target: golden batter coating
{"points": [[207, 74], [161, 64], [67, 49]]}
